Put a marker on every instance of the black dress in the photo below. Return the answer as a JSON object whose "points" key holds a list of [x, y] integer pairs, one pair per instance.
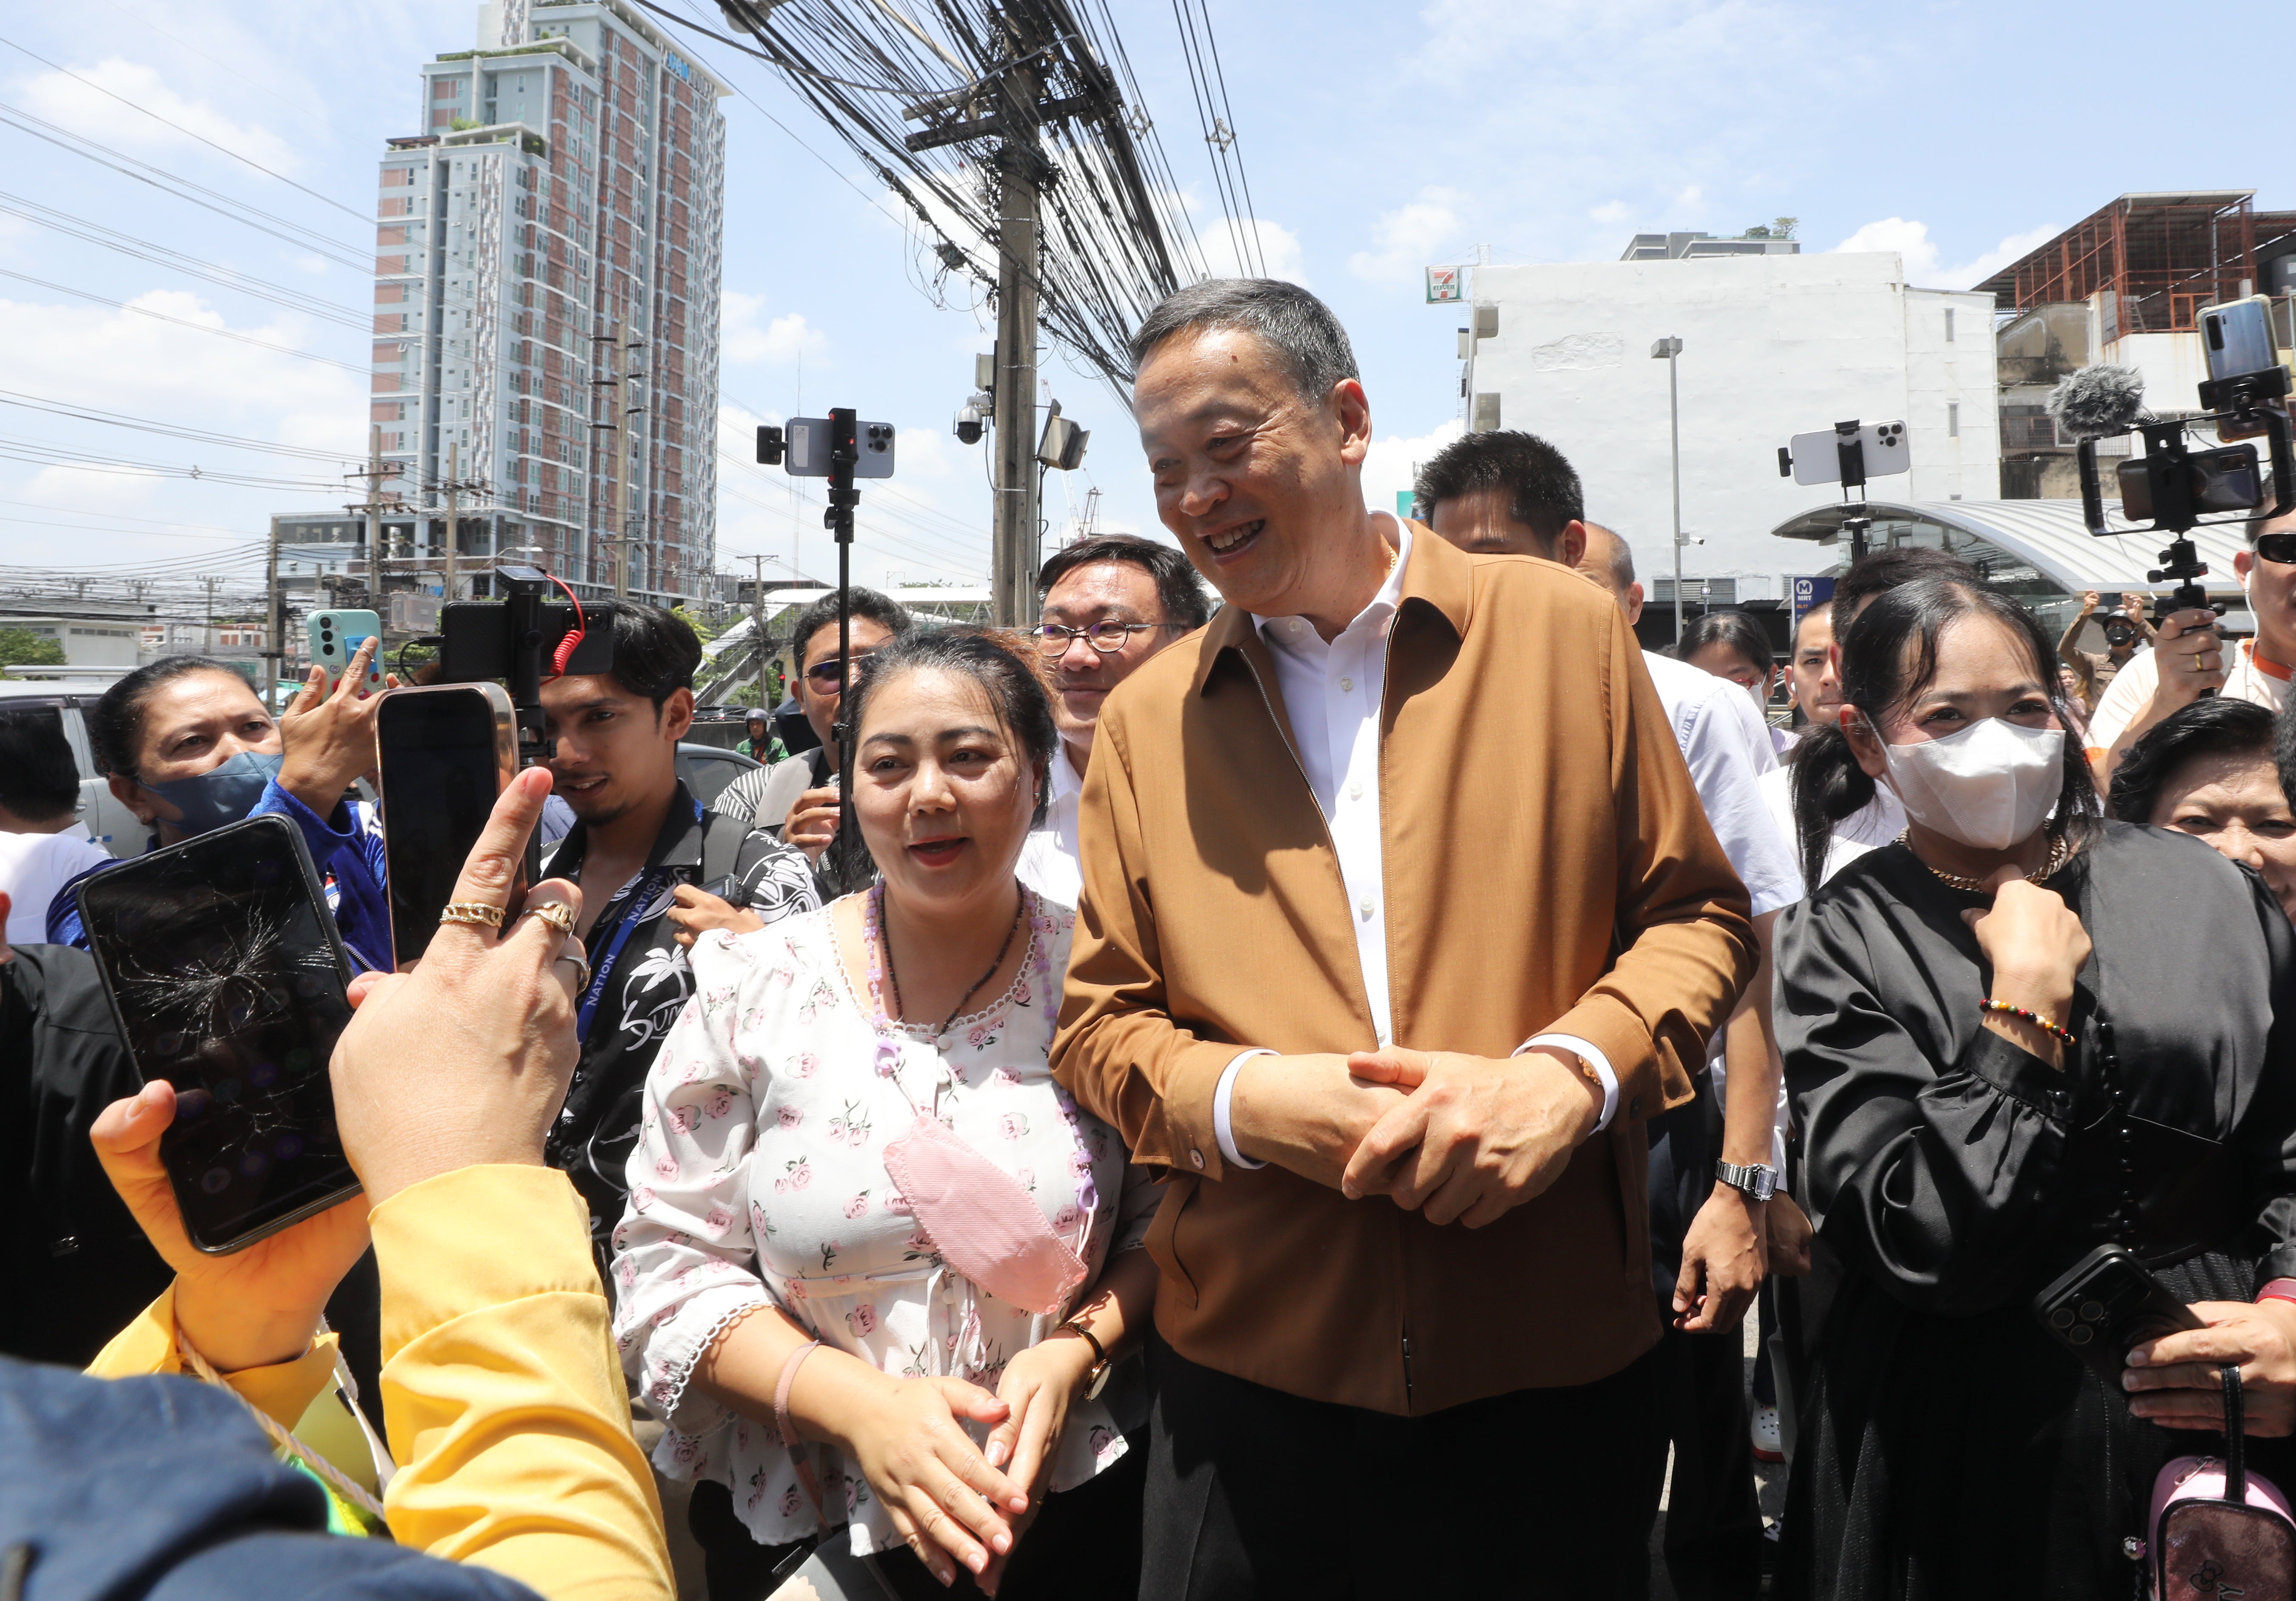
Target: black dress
{"points": [[1947, 1447]]}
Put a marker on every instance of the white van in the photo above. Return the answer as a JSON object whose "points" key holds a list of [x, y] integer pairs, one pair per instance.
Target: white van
{"points": [[111, 824]]}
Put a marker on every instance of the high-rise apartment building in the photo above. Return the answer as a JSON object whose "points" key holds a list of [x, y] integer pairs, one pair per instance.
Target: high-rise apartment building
{"points": [[545, 308]]}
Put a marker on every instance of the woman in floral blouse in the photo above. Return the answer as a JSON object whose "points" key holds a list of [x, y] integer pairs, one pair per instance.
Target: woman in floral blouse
{"points": [[776, 1283]]}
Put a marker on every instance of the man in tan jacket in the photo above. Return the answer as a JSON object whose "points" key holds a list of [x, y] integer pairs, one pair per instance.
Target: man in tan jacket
{"points": [[1399, 916]]}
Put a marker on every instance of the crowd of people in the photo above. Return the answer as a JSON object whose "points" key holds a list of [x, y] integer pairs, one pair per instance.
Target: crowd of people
{"points": [[1287, 1078]]}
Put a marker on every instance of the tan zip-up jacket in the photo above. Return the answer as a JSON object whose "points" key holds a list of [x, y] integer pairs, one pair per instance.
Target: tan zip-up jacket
{"points": [[1548, 867]]}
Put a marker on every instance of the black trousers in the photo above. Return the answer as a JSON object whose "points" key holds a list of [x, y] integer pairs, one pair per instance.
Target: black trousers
{"points": [[1254, 1495], [1713, 1515], [1085, 1545]]}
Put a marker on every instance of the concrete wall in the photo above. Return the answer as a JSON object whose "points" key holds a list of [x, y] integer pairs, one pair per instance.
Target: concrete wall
{"points": [[1772, 346]]}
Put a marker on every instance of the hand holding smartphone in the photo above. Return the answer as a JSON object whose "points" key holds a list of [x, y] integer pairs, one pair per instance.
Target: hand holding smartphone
{"points": [[445, 752], [2106, 1303], [335, 639], [227, 979]]}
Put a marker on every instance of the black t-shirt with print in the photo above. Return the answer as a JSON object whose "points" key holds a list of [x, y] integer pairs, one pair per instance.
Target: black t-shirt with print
{"points": [[637, 1000]]}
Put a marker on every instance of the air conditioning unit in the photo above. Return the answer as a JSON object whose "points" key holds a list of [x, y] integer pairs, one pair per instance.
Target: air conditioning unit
{"points": [[414, 614]]}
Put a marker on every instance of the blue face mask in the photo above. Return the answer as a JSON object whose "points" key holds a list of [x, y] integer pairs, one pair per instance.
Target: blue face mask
{"points": [[222, 794]]}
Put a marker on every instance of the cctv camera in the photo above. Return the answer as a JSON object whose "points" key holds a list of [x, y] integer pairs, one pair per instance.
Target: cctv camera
{"points": [[968, 423]]}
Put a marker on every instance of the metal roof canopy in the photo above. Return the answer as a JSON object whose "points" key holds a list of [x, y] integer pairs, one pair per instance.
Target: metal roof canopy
{"points": [[2047, 536]]}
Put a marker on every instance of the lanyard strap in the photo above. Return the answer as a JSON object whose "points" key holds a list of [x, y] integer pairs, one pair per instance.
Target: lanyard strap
{"points": [[640, 897]]}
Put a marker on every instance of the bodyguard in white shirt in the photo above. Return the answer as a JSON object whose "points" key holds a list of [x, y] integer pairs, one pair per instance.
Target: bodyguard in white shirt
{"points": [[43, 845], [1110, 602]]}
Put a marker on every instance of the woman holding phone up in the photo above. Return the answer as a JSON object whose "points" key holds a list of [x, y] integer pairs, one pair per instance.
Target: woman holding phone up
{"points": [[875, 1262], [189, 747], [2015, 1034]]}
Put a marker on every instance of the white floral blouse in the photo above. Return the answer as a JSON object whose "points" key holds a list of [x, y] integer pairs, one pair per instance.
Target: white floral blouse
{"points": [[759, 1178]]}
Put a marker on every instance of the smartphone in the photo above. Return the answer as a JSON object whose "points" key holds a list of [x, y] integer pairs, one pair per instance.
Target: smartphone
{"points": [[335, 639], [2236, 338], [1817, 456], [227, 979], [2106, 1303], [2227, 479], [447, 752]]}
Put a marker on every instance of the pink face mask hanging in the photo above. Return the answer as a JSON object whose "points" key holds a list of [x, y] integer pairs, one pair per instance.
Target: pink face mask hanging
{"points": [[980, 1220]]}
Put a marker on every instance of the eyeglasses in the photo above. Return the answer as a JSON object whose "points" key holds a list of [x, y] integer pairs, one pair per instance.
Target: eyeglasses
{"points": [[2276, 547], [1052, 638], [831, 673]]}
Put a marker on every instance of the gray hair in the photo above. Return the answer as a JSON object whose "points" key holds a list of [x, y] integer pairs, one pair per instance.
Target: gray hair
{"points": [[1621, 561], [1312, 344]]}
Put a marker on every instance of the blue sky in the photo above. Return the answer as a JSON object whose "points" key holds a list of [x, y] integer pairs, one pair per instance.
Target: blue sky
{"points": [[1376, 138]]}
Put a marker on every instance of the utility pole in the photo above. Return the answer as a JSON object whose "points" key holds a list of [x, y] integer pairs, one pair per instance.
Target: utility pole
{"points": [[1669, 351], [274, 622], [207, 639], [374, 517], [621, 470], [757, 625], [454, 521], [1014, 533]]}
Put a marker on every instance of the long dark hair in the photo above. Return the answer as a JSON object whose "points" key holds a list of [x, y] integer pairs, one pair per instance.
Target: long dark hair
{"points": [[1889, 656], [1003, 665]]}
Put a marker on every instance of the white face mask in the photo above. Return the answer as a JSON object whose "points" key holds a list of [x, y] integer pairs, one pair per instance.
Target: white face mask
{"points": [[1989, 786]]}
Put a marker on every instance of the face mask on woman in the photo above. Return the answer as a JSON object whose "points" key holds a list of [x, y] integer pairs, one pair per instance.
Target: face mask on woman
{"points": [[1989, 786], [223, 794]]}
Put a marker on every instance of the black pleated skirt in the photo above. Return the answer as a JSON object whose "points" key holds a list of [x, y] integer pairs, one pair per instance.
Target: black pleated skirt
{"points": [[1965, 1458]]}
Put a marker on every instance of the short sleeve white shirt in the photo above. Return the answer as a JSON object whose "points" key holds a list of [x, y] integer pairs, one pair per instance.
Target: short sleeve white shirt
{"points": [[1728, 748], [2251, 677]]}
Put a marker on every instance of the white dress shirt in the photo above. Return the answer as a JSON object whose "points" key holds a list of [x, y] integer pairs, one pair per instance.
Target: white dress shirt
{"points": [[1871, 826], [1332, 694], [1726, 745], [1049, 863]]}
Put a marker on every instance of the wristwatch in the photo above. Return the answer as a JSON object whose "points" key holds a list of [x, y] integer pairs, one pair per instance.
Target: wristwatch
{"points": [[1756, 1183]]}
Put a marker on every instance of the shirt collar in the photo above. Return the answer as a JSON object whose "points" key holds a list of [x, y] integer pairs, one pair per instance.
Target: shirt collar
{"points": [[1280, 635], [1066, 780], [678, 845]]}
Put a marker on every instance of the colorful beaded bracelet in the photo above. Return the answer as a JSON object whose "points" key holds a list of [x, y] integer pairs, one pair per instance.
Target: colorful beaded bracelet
{"points": [[2045, 1025]]}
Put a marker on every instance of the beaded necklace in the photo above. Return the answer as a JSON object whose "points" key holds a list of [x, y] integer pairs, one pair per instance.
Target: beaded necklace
{"points": [[883, 979]]}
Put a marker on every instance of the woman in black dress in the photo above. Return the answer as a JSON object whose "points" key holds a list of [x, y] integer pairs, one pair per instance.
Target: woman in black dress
{"points": [[1960, 1156]]}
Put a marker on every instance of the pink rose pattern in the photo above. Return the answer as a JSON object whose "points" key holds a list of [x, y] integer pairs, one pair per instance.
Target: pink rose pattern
{"points": [[762, 1152]]}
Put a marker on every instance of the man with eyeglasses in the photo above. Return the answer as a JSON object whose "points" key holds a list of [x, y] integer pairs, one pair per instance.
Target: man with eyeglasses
{"points": [[796, 799], [2188, 655], [1110, 602]]}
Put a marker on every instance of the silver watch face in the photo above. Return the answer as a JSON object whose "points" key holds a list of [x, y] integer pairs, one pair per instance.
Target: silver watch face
{"points": [[1757, 1181]]}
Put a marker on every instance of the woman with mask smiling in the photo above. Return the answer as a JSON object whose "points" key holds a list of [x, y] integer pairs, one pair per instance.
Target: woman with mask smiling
{"points": [[189, 748], [2019, 1032]]}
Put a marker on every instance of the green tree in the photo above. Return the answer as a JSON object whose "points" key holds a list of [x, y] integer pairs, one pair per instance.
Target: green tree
{"points": [[21, 647]]}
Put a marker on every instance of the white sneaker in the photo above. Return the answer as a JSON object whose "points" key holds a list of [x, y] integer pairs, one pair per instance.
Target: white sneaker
{"points": [[1769, 1440]]}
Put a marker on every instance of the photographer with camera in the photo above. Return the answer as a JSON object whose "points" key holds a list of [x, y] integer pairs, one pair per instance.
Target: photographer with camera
{"points": [[2126, 633], [2188, 657]]}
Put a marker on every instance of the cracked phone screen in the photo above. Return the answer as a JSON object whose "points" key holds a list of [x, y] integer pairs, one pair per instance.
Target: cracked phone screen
{"points": [[227, 978]]}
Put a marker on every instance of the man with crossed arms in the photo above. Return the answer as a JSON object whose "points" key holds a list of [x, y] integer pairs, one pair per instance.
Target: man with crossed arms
{"points": [[1388, 988]]}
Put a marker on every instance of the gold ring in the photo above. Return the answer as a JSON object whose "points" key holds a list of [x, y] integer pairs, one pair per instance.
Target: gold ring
{"points": [[582, 968], [558, 914], [471, 912]]}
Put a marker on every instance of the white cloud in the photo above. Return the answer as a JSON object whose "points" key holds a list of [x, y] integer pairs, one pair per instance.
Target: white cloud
{"points": [[1274, 250], [1911, 240], [1611, 212], [63, 99], [783, 341], [1410, 238], [1389, 465]]}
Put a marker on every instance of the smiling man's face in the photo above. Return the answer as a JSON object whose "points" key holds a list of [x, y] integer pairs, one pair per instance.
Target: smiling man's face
{"points": [[1251, 476], [1100, 592]]}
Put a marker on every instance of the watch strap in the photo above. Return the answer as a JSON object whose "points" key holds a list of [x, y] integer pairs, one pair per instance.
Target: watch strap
{"points": [[1754, 1180]]}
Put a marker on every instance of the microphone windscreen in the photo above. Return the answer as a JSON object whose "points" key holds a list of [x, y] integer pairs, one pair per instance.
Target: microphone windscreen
{"points": [[2097, 403]]}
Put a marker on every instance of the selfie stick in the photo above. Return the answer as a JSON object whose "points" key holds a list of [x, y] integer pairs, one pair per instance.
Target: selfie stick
{"points": [[844, 454]]}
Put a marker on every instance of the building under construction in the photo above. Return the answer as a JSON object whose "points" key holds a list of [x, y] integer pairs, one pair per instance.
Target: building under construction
{"points": [[2127, 285]]}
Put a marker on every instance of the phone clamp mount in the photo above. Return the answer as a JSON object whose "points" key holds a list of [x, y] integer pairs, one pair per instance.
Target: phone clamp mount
{"points": [[776, 448], [520, 640], [2176, 477]]}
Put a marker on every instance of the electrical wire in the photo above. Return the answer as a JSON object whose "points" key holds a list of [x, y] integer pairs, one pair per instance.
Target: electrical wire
{"points": [[221, 333], [34, 402], [188, 134], [160, 255]]}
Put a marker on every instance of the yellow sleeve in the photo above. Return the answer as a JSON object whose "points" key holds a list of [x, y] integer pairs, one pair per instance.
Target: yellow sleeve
{"points": [[505, 1399], [283, 1392]]}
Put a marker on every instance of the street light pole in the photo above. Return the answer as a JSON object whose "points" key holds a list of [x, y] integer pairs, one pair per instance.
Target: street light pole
{"points": [[1669, 349]]}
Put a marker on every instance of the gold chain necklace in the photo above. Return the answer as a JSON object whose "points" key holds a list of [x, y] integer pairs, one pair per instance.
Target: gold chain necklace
{"points": [[2060, 851]]}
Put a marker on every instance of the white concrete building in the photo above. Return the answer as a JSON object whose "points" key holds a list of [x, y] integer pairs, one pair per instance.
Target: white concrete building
{"points": [[1773, 345]]}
